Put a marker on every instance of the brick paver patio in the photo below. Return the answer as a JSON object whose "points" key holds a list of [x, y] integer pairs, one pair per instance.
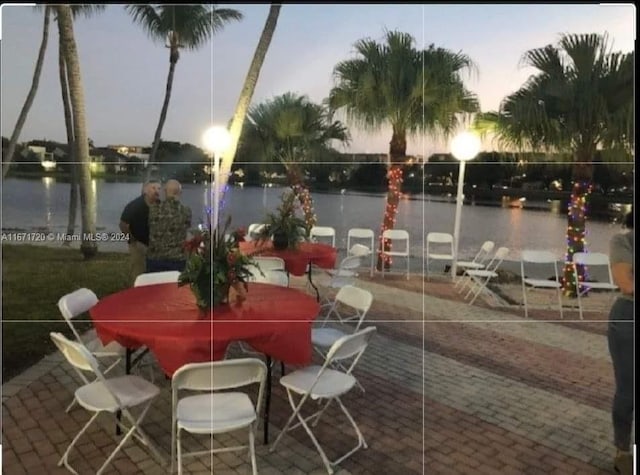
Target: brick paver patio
{"points": [[450, 388]]}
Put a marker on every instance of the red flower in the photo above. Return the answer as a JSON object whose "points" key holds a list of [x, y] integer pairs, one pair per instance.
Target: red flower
{"points": [[192, 245]]}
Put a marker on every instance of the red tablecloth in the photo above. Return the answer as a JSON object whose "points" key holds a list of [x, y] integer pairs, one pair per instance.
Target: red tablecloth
{"points": [[273, 320], [295, 260]]}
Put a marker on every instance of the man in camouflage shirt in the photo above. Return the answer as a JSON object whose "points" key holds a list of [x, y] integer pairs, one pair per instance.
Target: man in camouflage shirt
{"points": [[169, 222]]}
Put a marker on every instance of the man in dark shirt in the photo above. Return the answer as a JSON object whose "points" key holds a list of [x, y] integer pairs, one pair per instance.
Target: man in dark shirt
{"points": [[135, 222], [169, 222]]}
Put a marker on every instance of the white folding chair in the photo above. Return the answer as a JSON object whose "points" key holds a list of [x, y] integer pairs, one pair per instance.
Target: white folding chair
{"points": [[152, 278], [477, 279], [393, 236], [75, 304], [325, 233], [112, 395], [324, 382], [253, 231], [439, 247], [478, 262], [358, 301], [542, 260], [345, 274], [361, 234], [271, 270], [592, 259], [216, 412]]}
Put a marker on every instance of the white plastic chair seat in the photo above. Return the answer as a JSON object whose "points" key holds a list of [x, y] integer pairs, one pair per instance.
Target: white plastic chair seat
{"points": [[96, 347], [130, 390], [469, 265], [439, 256], [332, 383], [482, 273], [215, 413], [548, 284], [599, 285], [325, 337]]}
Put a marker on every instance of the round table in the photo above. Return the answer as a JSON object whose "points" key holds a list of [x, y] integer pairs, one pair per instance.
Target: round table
{"points": [[274, 320], [296, 260]]}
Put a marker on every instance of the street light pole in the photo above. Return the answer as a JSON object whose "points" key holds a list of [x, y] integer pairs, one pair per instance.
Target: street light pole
{"points": [[216, 141], [464, 147]]}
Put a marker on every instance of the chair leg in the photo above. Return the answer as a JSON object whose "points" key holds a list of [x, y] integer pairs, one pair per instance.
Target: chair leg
{"points": [[132, 430], [73, 403], [64, 459], [560, 301], [252, 451], [524, 301], [179, 449]]}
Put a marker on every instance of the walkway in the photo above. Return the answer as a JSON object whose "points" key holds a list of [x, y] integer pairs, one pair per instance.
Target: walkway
{"points": [[449, 389]]}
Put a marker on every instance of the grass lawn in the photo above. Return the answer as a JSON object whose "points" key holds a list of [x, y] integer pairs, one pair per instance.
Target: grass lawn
{"points": [[33, 280]]}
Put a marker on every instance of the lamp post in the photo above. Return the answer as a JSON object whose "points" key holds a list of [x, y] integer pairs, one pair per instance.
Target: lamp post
{"points": [[464, 147], [216, 140]]}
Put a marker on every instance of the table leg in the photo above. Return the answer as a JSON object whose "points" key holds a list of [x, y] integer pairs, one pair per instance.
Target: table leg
{"points": [[312, 284], [267, 402], [127, 370]]}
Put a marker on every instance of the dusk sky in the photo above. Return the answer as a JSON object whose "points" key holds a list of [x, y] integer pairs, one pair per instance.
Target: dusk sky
{"points": [[124, 72]]}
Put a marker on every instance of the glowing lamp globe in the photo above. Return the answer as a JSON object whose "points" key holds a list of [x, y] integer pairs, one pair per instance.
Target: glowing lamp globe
{"points": [[216, 140], [465, 146]]}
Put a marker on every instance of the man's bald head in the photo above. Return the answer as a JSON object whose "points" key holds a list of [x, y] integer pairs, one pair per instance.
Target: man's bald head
{"points": [[172, 189]]}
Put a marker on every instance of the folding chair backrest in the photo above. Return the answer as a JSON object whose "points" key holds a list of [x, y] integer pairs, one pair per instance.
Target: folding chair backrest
{"points": [[152, 278], [323, 232], [76, 303], [440, 238], [497, 259], [350, 345], [539, 257], [269, 263], [484, 251], [219, 375], [397, 235], [360, 233], [254, 229], [75, 353], [355, 297], [594, 259], [274, 277]]}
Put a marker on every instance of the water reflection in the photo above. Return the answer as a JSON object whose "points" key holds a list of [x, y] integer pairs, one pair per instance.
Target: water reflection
{"points": [[32, 204]]}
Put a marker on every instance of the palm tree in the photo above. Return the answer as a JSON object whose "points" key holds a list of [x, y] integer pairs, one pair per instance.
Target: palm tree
{"points": [[80, 144], [35, 81], [579, 101], [180, 26], [292, 130], [235, 129], [86, 10], [414, 91]]}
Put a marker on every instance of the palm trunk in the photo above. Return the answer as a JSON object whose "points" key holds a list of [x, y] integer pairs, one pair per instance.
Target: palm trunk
{"points": [[577, 219], [88, 247], [173, 59], [247, 93], [397, 154], [13, 141], [73, 193], [294, 175]]}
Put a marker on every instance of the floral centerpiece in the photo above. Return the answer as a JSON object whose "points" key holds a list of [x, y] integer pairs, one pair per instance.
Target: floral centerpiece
{"points": [[284, 227], [215, 265]]}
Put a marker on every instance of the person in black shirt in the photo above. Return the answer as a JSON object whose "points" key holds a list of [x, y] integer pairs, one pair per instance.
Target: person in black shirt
{"points": [[135, 222]]}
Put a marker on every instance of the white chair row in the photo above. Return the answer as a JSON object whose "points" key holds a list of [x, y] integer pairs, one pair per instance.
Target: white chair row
{"points": [[217, 410]]}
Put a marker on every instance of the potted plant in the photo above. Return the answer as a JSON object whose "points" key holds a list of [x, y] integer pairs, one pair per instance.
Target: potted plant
{"points": [[215, 265], [284, 227]]}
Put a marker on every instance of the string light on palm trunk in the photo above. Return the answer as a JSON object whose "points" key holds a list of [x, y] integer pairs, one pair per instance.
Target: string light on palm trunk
{"points": [[395, 184], [576, 233]]}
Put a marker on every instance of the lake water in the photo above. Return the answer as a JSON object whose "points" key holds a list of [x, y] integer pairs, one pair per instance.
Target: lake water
{"points": [[42, 205]]}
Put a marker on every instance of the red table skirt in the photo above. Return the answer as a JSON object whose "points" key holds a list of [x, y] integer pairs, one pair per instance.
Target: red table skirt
{"points": [[295, 260], [274, 320]]}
